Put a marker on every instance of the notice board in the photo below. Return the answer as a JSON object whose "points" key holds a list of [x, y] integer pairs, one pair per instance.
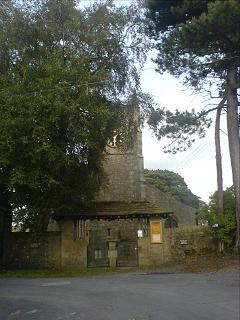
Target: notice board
{"points": [[156, 231]]}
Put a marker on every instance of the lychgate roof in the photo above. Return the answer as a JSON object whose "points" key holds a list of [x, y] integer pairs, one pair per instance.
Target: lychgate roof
{"points": [[118, 209]]}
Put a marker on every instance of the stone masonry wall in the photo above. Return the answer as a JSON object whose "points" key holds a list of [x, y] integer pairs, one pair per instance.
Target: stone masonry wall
{"points": [[53, 250], [115, 229], [154, 254], [177, 245], [123, 178], [34, 250], [73, 251], [185, 214], [186, 242]]}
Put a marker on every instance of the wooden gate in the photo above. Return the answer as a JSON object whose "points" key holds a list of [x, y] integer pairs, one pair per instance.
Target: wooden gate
{"points": [[97, 254], [127, 253]]}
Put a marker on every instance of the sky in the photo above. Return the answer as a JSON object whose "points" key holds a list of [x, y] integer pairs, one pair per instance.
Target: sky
{"points": [[197, 165]]}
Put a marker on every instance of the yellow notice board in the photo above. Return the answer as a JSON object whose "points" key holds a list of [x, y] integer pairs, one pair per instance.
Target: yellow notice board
{"points": [[156, 231]]}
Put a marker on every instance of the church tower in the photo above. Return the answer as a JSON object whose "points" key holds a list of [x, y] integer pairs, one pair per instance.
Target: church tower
{"points": [[124, 169]]}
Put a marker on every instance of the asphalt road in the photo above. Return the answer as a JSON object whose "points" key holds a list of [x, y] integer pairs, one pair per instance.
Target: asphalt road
{"points": [[122, 297]]}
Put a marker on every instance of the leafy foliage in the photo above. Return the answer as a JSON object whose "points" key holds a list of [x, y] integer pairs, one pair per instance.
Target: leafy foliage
{"points": [[197, 39], [65, 81], [183, 127], [166, 14], [226, 229], [173, 184]]}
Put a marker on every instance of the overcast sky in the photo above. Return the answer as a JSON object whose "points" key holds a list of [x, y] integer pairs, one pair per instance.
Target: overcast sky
{"points": [[197, 165]]}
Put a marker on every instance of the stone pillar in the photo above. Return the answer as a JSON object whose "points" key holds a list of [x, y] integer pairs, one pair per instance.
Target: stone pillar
{"points": [[112, 253]]}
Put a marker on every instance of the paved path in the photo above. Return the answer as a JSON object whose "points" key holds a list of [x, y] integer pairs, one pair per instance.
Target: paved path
{"points": [[122, 297]]}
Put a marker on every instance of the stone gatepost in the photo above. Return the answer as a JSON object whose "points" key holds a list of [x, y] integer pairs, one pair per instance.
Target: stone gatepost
{"points": [[112, 253]]}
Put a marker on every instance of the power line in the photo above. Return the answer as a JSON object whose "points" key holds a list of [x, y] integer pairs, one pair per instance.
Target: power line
{"points": [[198, 155], [224, 132], [194, 154]]}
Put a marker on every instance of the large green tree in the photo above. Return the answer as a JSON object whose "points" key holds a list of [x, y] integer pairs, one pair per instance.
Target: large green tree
{"points": [[224, 224], [67, 76], [200, 40], [173, 184]]}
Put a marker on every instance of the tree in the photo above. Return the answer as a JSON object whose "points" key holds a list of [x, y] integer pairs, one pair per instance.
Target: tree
{"points": [[173, 184], [219, 158], [224, 224], [65, 80], [200, 39]]}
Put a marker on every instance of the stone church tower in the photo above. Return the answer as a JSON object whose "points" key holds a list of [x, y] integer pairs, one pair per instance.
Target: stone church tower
{"points": [[125, 172]]}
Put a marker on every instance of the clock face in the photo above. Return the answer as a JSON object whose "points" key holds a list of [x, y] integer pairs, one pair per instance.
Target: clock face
{"points": [[115, 141]]}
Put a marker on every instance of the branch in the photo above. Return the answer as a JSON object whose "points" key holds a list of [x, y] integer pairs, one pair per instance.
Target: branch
{"points": [[210, 104], [220, 106], [212, 97]]}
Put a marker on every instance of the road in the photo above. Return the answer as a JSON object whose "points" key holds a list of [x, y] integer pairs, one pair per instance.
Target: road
{"points": [[122, 297]]}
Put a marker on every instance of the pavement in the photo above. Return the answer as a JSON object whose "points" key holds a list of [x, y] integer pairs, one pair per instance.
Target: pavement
{"points": [[133, 296]]}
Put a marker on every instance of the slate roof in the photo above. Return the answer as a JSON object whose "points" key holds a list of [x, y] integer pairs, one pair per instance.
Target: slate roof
{"points": [[118, 210]]}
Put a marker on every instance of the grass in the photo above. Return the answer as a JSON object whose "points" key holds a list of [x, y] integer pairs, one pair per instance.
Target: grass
{"points": [[193, 264], [61, 273]]}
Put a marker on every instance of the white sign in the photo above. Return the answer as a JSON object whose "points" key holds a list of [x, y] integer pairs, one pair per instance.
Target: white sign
{"points": [[156, 237], [140, 233], [183, 242]]}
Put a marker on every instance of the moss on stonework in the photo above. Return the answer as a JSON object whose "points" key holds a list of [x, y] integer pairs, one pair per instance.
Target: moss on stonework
{"points": [[119, 209]]}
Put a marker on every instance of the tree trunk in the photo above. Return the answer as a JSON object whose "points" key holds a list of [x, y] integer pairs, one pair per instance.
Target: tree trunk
{"points": [[6, 227], [43, 221], [234, 140], [219, 166], [219, 159]]}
